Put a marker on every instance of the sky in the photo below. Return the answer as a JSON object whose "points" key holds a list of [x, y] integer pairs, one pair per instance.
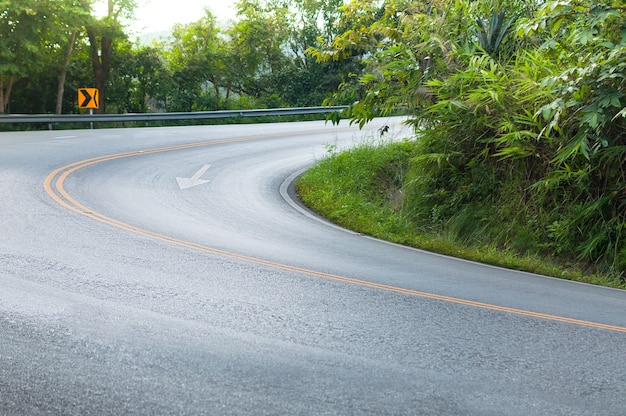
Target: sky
{"points": [[160, 15]]}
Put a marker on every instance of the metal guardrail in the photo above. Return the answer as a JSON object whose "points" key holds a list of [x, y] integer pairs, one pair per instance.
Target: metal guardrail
{"points": [[50, 119]]}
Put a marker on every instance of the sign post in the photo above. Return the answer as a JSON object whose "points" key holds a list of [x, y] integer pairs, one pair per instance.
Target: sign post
{"points": [[89, 98]]}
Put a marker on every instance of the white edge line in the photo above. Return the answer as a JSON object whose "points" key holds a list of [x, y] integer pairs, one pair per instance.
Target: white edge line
{"points": [[288, 184], [285, 188]]}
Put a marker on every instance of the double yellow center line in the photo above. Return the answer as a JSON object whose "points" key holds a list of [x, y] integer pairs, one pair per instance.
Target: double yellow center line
{"points": [[54, 186]]}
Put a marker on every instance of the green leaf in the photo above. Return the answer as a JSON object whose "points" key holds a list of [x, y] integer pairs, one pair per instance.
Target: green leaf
{"points": [[585, 36], [578, 146], [622, 113], [514, 152], [611, 98]]}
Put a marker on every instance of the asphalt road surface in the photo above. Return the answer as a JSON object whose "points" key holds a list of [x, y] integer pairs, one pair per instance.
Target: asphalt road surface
{"points": [[170, 271]]}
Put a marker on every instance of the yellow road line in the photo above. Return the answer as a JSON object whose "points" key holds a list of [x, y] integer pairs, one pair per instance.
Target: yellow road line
{"points": [[54, 186]]}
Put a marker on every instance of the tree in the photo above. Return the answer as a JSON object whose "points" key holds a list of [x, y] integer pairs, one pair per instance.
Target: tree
{"points": [[37, 38], [138, 75], [22, 26], [71, 16], [308, 81], [269, 47], [196, 55], [102, 34], [258, 45]]}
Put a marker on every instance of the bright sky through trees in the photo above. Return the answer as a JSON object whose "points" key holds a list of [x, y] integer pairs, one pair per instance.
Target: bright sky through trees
{"points": [[159, 15]]}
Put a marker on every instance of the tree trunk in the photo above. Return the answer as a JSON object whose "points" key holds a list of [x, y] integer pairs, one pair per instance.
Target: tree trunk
{"points": [[101, 63], [1, 95], [5, 92], [66, 64]]}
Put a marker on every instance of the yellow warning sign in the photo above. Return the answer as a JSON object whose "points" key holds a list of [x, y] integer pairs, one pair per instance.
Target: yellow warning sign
{"points": [[88, 98]]}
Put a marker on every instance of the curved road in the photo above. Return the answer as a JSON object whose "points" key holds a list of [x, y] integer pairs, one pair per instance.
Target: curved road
{"points": [[125, 290]]}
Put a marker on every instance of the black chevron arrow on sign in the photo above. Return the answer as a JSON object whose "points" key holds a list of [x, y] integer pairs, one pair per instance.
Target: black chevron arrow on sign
{"points": [[86, 98]]}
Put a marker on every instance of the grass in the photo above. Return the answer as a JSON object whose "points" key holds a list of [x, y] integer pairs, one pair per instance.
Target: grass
{"points": [[362, 189]]}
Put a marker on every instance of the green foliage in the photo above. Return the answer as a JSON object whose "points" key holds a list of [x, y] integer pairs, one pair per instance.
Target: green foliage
{"points": [[364, 182], [588, 114], [137, 79], [492, 33], [33, 35], [258, 61], [362, 189], [196, 64], [520, 140]]}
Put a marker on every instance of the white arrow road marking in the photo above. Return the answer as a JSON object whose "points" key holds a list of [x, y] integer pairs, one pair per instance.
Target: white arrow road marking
{"points": [[184, 183]]}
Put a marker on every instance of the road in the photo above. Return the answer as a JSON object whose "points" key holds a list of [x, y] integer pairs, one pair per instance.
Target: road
{"points": [[159, 271]]}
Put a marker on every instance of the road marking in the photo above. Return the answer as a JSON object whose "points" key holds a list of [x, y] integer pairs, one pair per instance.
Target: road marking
{"points": [[184, 183], [54, 186]]}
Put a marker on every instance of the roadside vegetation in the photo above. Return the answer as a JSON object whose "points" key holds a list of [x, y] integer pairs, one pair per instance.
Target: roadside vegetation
{"points": [[362, 189], [51, 48], [519, 156]]}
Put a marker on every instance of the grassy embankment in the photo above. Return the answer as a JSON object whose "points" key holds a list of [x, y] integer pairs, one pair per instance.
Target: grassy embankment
{"points": [[367, 189]]}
